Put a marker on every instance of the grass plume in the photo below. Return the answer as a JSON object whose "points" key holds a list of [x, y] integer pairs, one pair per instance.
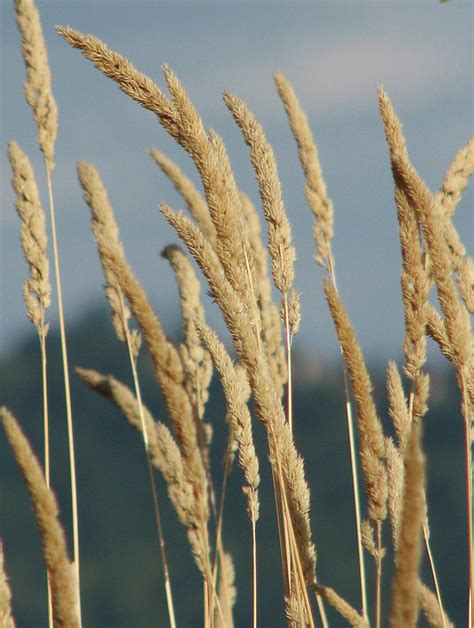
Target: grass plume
{"points": [[240, 270], [65, 591]]}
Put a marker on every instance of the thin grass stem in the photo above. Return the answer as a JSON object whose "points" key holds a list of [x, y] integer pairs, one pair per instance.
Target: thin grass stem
{"points": [[42, 338], [302, 590], [206, 603], [321, 609], [151, 476], [291, 547], [378, 576], [468, 488], [254, 575], [161, 538], [354, 471], [433, 572], [285, 562], [289, 388], [219, 519], [67, 388], [211, 596], [411, 400], [356, 497]]}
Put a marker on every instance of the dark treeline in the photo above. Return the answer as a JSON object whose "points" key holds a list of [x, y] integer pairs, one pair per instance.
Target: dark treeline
{"points": [[121, 573]]}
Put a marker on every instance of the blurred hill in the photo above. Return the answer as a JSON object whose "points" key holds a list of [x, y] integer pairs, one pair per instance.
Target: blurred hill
{"points": [[121, 573]]}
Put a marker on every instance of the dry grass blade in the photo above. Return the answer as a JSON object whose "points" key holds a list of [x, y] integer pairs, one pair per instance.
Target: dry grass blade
{"points": [[430, 606], [280, 244], [415, 284], [116, 67], [125, 400], [342, 607], [370, 429], [34, 243], [465, 277], [169, 373], [436, 329], [195, 204], [65, 598], [269, 315], [208, 153], [6, 617], [268, 406], [166, 360], [456, 319], [227, 593], [397, 405], [457, 325], [36, 289], [238, 413], [223, 235], [315, 189], [395, 482], [415, 287], [372, 445], [38, 90], [181, 120], [39, 96], [321, 207], [456, 179], [164, 452], [196, 361], [454, 183], [163, 448], [405, 599], [104, 227]]}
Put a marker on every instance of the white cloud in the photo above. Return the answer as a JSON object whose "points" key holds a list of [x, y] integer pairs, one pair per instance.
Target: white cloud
{"points": [[345, 77]]}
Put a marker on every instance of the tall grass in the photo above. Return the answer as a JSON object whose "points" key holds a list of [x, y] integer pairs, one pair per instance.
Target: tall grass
{"points": [[222, 234]]}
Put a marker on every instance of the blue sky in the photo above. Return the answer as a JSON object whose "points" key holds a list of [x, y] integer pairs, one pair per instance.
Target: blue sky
{"points": [[335, 54]]}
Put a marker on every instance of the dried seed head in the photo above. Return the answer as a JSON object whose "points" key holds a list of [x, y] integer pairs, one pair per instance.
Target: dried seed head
{"points": [[37, 289]]}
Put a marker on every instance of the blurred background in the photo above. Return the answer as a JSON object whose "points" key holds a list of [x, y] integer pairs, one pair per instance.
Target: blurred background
{"points": [[336, 55]]}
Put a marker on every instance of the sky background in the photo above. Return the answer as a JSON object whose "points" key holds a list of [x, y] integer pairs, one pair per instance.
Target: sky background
{"points": [[335, 54]]}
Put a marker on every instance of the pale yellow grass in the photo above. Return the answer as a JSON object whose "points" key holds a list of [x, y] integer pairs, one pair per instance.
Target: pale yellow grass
{"points": [[223, 236]]}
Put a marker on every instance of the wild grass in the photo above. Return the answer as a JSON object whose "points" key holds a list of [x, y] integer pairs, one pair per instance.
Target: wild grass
{"points": [[222, 234]]}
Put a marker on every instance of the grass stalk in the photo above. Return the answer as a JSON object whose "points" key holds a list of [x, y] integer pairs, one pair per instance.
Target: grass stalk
{"points": [[426, 539], [42, 338], [468, 489], [254, 575], [394, 475], [433, 572], [277, 481], [211, 596], [67, 388], [353, 456], [302, 589], [321, 609], [295, 564], [356, 497], [378, 576], [206, 603], [151, 476], [219, 517], [289, 387], [282, 535], [291, 551]]}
